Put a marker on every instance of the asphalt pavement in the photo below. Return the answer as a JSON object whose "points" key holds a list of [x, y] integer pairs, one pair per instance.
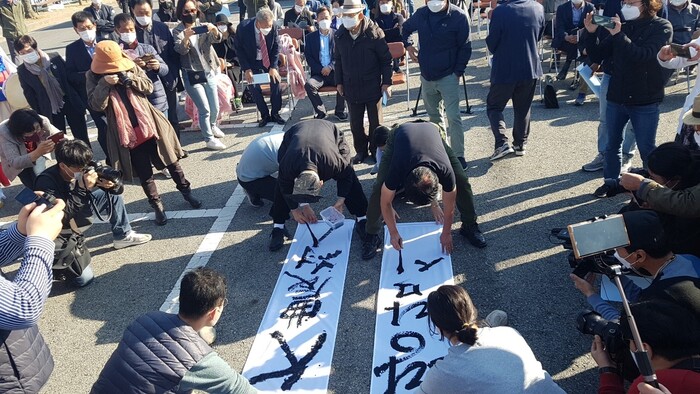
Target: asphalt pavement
{"points": [[518, 199]]}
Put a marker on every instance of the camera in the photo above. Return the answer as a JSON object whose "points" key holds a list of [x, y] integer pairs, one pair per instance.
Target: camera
{"points": [[616, 188], [589, 322], [124, 79], [107, 173]]}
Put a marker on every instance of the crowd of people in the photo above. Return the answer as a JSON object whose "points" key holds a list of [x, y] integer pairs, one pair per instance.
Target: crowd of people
{"points": [[128, 69]]}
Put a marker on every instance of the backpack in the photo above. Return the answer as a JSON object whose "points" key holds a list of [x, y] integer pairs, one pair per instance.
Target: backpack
{"points": [[550, 94]]}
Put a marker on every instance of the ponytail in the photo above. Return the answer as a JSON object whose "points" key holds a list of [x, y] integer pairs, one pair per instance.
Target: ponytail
{"points": [[467, 334]]}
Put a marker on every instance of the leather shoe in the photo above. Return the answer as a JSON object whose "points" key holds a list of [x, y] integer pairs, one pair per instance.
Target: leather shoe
{"points": [[359, 158], [370, 246], [194, 203], [264, 121], [161, 218], [277, 119], [472, 233], [277, 238], [360, 229]]}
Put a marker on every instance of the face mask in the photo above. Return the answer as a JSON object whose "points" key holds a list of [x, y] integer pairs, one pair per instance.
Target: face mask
{"points": [[127, 37], [266, 31], [97, 2], [143, 20], [167, 4], [298, 8], [88, 35], [188, 18], [600, 12], [630, 12], [31, 57], [337, 11], [222, 28], [436, 5], [678, 3], [577, 2], [623, 261], [324, 24], [349, 22], [386, 8]]}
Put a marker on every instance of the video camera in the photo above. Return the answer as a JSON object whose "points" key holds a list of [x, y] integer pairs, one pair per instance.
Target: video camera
{"points": [[107, 173]]}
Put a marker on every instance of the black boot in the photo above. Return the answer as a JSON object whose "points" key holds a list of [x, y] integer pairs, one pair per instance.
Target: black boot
{"points": [[187, 194], [161, 218], [564, 70]]}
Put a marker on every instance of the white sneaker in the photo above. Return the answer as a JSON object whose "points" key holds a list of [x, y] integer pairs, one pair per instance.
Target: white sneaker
{"points": [[497, 318], [215, 144], [216, 131], [626, 163], [132, 239]]}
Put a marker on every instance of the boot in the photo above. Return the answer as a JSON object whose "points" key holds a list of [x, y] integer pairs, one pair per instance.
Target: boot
{"points": [[161, 218], [564, 70], [187, 194]]}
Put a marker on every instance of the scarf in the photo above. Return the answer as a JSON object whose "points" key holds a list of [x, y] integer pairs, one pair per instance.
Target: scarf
{"points": [[129, 136], [50, 83]]}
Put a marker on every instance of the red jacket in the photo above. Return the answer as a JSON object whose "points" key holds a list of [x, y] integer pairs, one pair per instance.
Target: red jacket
{"points": [[677, 381]]}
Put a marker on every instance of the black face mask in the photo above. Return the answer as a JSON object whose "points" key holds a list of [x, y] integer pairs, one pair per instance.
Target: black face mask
{"points": [[188, 18]]}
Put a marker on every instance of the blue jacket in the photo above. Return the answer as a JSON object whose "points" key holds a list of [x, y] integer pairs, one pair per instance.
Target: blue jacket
{"points": [[516, 28], [160, 38], [312, 51], [157, 98], [247, 49], [565, 21], [444, 41]]}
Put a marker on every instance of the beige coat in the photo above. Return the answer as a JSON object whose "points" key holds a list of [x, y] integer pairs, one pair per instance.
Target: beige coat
{"points": [[169, 149]]}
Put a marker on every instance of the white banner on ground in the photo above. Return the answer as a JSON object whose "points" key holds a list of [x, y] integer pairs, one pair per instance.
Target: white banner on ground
{"points": [[403, 346], [293, 349]]}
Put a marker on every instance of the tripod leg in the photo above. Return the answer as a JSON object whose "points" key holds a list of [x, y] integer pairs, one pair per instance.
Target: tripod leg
{"points": [[466, 96], [415, 109]]}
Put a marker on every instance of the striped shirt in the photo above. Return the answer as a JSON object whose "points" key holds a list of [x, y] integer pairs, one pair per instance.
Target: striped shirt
{"points": [[22, 300]]}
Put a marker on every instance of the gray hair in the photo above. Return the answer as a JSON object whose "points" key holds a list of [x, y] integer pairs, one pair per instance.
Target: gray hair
{"points": [[264, 14]]}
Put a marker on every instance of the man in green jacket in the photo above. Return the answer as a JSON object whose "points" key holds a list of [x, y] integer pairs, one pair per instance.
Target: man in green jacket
{"points": [[12, 23], [684, 203]]}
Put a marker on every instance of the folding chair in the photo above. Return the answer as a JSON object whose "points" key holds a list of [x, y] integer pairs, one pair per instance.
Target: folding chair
{"points": [[398, 51]]}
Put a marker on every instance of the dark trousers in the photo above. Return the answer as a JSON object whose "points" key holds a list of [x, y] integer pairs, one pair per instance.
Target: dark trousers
{"points": [[263, 187], [100, 120], [141, 158], [571, 50], [171, 96], [241, 10], [275, 97], [313, 84], [356, 202], [27, 177], [360, 140], [521, 93], [75, 117]]}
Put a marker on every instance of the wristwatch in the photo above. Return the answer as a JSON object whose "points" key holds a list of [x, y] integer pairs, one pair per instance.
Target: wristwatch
{"points": [[603, 370]]}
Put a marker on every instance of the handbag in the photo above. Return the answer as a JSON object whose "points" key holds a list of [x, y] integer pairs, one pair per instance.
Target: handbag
{"points": [[196, 77], [71, 257]]}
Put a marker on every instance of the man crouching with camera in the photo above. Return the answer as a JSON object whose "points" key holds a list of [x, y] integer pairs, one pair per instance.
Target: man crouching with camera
{"points": [[74, 180]]}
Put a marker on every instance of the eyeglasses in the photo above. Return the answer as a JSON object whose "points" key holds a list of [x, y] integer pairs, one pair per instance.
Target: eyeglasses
{"points": [[223, 304]]}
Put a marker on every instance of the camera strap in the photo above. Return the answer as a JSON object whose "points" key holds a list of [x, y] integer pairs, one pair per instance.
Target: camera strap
{"points": [[691, 364], [93, 205]]}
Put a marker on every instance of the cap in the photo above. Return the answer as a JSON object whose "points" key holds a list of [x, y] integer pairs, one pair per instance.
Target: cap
{"points": [[644, 230], [307, 187], [221, 18]]}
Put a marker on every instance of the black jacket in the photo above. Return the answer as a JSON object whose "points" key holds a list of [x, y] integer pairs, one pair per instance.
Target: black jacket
{"points": [[78, 61], [77, 200], [314, 145], [247, 50], [104, 20], [636, 74], [35, 92], [565, 22], [362, 65]]}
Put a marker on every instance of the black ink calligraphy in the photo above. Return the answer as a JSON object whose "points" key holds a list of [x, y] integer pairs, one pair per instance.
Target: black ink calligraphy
{"points": [[399, 269], [402, 289], [426, 266], [397, 313], [420, 367]]}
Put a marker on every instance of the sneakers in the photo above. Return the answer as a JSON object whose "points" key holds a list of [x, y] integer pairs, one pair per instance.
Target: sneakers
{"points": [[166, 173], [472, 233], [580, 99], [370, 246], [132, 239], [519, 150], [502, 151], [215, 144], [595, 165], [462, 162], [277, 238], [216, 131], [497, 318], [626, 163], [609, 189]]}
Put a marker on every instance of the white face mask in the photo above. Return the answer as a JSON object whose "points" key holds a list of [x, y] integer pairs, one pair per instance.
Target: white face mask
{"points": [[128, 37], [298, 8], [30, 58], [349, 22], [678, 3], [436, 5], [222, 28], [88, 35], [324, 24], [626, 264], [385, 8], [337, 11], [144, 20], [266, 31], [601, 11], [630, 12], [577, 2]]}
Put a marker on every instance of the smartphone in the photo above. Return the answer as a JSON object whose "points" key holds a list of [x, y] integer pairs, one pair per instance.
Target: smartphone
{"points": [[604, 21], [27, 196], [680, 51], [200, 29], [57, 137], [589, 238], [147, 57]]}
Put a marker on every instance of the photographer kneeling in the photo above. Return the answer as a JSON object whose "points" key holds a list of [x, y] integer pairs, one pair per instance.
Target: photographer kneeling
{"points": [[670, 336], [674, 276], [75, 181]]}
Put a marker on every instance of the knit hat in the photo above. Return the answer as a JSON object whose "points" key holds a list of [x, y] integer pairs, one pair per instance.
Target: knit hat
{"points": [[110, 59]]}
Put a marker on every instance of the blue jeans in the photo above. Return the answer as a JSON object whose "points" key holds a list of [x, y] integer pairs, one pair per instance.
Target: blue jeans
{"points": [[411, 8], [628, 141], [119, 218], [644, 119], [206, 99], [85, 278]]}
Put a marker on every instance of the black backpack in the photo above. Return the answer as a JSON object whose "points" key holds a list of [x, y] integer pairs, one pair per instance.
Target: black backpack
{"points": [[550, 94]]}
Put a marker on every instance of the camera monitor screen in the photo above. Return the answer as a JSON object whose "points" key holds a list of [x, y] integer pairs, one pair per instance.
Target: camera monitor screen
{"points": [[589, 238]]}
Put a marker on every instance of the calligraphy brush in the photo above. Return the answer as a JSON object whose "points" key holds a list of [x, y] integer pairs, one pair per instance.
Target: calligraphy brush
{"points": [[399, 269], [312, 235]]}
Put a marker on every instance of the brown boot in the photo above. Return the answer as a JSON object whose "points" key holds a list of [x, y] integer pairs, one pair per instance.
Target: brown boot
{"points": [[161, 219], [187, 194]]}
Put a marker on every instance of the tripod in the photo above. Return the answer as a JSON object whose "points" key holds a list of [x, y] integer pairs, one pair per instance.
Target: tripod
{"points": [[466, 97]]}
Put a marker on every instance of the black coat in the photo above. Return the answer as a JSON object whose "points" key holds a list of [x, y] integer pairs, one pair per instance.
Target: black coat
{"points": [[78, 61], [362, 65], [565, 21], [104, 20], [35, 92]]}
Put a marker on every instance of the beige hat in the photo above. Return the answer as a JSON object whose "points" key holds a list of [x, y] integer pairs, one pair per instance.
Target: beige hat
{"points": [[110, 59], [353, 6], [692, 117]]}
